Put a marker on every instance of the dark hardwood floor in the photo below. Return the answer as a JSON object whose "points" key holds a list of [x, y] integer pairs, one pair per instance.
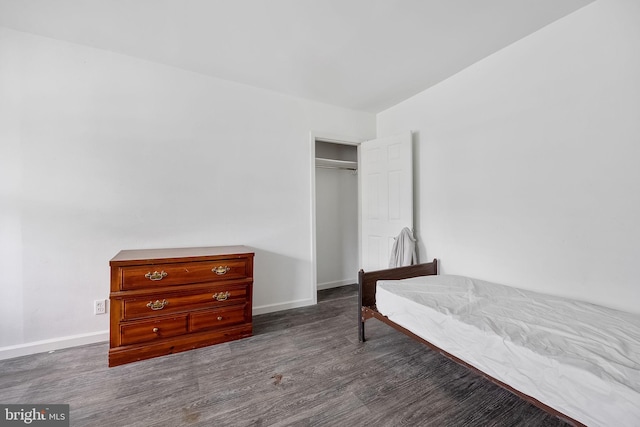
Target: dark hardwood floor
{"points": [[302, 367]]}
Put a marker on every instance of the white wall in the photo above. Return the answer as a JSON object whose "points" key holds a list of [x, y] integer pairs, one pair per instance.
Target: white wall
{"points": [[528, 160], [102, 152], [337, 227]]}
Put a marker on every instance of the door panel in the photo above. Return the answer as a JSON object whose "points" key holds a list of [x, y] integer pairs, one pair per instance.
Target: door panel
{"points": [[386, 182]]}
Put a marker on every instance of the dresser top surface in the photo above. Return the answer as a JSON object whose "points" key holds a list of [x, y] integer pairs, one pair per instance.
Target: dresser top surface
{"points": [[169, 254]]}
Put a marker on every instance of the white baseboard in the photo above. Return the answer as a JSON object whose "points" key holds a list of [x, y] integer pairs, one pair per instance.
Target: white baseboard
{"points": [[264, 309], [53, 344], [336, 284]]}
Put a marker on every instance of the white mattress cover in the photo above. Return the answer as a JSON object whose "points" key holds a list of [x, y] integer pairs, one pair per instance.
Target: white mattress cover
{"points": [[578, 358]]}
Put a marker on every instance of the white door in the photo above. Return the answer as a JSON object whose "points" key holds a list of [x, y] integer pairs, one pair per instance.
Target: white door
{"points": [[386, 188]]}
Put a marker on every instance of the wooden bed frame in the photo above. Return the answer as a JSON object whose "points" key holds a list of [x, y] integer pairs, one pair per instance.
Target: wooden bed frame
{"points": [[367, 310]]}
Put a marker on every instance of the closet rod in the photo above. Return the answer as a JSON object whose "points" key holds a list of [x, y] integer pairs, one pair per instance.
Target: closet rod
{"points": [[336, 164], [337, 167]]}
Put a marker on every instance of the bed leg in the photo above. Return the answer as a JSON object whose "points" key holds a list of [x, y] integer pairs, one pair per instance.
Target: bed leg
{"points": [[361, 326]]}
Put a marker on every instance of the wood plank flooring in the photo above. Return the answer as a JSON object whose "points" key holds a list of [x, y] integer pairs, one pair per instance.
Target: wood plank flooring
{"points": [[302, 367]]}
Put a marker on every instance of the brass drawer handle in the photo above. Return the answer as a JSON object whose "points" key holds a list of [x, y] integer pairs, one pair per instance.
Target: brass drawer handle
{"points": [[155, 330], [156, 275], [221, 270], [219, 317], [221, 296], [158, 305]]}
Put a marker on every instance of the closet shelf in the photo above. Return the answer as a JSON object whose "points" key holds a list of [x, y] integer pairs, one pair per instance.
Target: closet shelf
{"points": [[336, 164]]}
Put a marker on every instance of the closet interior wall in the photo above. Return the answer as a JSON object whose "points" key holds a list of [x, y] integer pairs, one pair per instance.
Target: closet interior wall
{"points": [[336, 215]]}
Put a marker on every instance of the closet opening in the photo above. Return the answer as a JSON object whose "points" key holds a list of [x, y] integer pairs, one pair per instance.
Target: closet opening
{"points": [[335, 212]]}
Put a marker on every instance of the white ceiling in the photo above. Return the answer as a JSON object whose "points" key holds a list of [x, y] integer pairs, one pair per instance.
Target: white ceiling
{"points": [[360, 54]]}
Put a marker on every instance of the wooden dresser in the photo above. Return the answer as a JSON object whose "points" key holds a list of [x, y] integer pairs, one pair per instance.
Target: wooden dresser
{"points": [[164, 301]]}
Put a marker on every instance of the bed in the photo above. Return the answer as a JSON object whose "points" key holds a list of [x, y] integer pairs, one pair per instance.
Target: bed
{"points": [[578, 361]]}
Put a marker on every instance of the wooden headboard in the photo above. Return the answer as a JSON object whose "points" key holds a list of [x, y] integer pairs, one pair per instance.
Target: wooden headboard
{"points": [[367, 280]]}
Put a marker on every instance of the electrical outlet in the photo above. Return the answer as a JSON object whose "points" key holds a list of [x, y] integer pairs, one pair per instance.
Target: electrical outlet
{"points": [[99, 306]]}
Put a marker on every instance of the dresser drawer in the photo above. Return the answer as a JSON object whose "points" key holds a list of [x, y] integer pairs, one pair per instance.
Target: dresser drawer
{"points": [[216, 319], [152, 330], [161, 304], [175, 274]]}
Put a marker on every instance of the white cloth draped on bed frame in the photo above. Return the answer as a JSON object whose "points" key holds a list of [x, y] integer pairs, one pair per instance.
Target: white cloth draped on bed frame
{"points": [[578, 358]]}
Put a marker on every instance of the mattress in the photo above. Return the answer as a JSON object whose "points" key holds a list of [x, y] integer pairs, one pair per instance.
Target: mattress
{"points": [[578, 358]]}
